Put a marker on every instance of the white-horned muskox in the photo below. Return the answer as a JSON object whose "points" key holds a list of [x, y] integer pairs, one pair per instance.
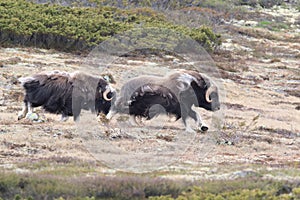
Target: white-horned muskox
{"points": [[176, 93], [66, 93]]}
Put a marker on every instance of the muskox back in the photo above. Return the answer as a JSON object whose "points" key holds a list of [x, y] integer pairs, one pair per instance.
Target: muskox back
{"points": [[145, 99]]}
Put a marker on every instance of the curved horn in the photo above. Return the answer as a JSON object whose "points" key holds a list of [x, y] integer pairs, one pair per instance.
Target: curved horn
{"points": [[105, 93], [208, 92]]}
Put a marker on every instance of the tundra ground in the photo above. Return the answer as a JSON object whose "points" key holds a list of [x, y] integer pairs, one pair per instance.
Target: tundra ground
{"points": [[260, 133]]}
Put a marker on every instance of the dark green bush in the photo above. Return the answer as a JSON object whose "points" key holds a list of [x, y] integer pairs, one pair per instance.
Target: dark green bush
{"points": [[262, 3], [81, 28], [235, 190], [270, 3]]}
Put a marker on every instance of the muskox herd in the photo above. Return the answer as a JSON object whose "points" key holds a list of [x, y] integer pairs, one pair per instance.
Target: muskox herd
{"points": [[143, 97]]}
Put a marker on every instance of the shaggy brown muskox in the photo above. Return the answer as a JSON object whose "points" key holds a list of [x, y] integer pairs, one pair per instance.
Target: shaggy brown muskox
{"points": [[66, 93], [188, 88]]}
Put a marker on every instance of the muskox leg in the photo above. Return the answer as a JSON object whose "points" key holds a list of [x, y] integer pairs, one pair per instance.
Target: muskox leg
{"points": [[24, 111], [185, 115], [76, 109], [30, 108], [133, 120], [171, 118], [76, 113], [198, 120], [64, 117], [139, 120], [110, 114]]}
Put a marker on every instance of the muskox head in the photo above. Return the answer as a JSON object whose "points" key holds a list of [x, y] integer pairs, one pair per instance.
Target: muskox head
{"points": [[103, 97], [207, 96], [197, 89], [90, 93]]}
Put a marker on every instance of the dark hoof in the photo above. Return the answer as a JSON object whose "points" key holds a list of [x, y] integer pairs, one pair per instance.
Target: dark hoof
{"points": [[204, 128]]}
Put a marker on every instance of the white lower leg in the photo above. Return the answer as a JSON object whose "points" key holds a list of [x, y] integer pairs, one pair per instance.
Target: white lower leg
{"points": [[189, 129], [201, 125], [110, 114], [139, 120], [133, 121], [30, 108], [24, 111], [64, 118], [172, 118], [199, 120]]}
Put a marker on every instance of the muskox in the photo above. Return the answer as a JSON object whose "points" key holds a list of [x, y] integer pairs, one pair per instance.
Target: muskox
{"points": [[187, 87], [66, 93]]}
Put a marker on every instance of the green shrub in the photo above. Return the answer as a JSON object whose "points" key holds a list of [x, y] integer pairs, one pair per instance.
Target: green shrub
{"points": [[262, 3], [81, 28], [249, 188], [270, 3], [254, 194], [251, 3]]}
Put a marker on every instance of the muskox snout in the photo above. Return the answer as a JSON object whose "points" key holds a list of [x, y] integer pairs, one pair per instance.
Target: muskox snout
{"points": [[215, 106]]}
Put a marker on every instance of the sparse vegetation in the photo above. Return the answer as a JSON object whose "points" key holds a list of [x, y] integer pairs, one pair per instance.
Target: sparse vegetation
{"points": [[273, 26], [80, 186], [231, 134]]}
